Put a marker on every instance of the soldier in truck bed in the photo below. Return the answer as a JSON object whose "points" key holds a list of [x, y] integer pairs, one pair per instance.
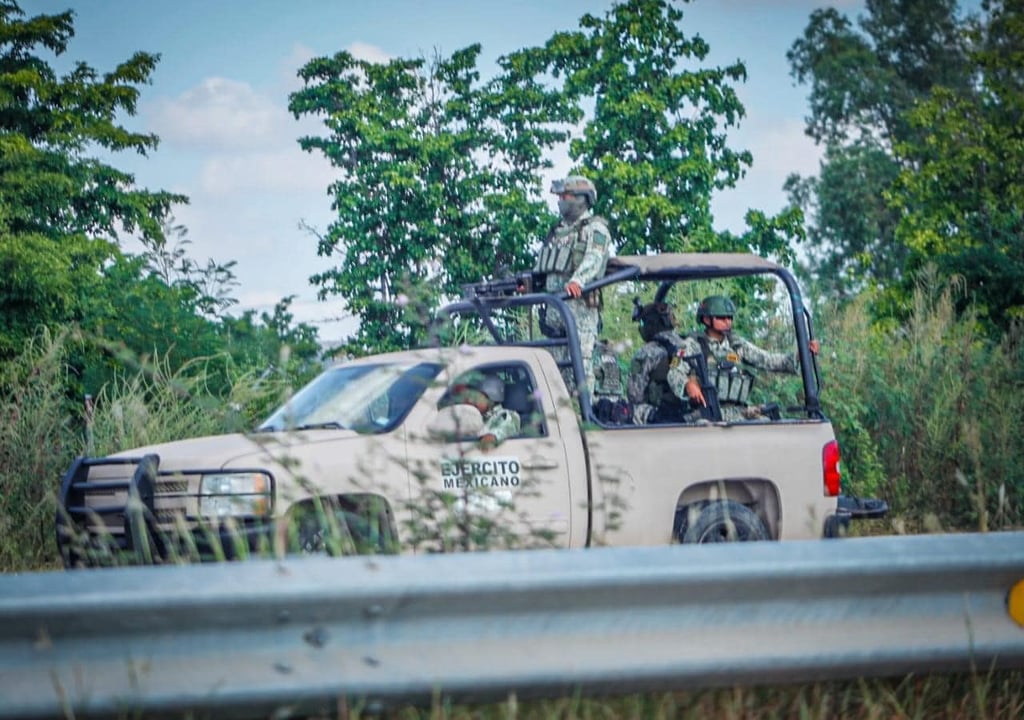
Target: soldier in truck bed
{"points": [[653, 398], [725, 352]]}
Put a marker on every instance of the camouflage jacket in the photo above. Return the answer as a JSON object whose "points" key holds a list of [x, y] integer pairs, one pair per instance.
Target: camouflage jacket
{"points": [[501, 422], [575, 252], [648, 373]]}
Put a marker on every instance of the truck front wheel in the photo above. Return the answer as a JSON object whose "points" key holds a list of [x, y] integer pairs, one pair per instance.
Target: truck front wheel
{"points": [[353, 525], [724, 521]]}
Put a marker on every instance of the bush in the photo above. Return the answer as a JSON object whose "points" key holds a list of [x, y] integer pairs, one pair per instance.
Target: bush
{"points": [[929, 413]]}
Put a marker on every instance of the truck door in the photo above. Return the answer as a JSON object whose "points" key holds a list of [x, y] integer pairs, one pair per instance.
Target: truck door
{"points": [[512, 492]]}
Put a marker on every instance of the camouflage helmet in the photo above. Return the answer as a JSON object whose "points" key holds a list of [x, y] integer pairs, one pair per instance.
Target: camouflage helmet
{"points": [[577, 185], [654, 318], [715, 306]]}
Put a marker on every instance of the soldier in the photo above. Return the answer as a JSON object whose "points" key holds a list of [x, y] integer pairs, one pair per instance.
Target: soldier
{"points": [[725, 353], [609, 400], [486, 394], [574, 254], [653, 398]]}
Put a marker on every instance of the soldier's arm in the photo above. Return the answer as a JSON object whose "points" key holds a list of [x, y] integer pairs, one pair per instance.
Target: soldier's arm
{"points": [[640, 372], [597, 241], [682, 378], [501, 424], [760, 358]]}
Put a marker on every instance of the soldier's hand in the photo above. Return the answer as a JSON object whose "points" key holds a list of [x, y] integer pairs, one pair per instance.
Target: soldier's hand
{"points": [[815, 346], [694, 392], [488, 441], [574, 289]]}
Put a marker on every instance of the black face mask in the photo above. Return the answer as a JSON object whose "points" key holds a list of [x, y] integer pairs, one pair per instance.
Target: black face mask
{"points": [[571, 210]]}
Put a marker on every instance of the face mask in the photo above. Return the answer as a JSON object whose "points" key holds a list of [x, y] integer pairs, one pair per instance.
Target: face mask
{"points": [[572, 209]]}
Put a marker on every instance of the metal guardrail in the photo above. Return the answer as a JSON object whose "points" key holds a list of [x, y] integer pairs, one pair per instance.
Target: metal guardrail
{"points": [[295, 637]]}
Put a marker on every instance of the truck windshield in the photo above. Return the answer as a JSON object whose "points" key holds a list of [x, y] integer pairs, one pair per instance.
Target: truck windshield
{"points": [[371, 398]]}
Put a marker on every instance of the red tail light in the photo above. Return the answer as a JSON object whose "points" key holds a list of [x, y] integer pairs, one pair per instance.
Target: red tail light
{"points": [[831, 474]]}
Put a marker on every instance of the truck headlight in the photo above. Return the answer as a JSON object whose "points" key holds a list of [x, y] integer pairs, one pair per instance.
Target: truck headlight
{"points": [[235, 494]]}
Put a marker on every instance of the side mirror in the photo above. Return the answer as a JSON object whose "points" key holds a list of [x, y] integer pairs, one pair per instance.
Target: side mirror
{"points": [[456, 422]]}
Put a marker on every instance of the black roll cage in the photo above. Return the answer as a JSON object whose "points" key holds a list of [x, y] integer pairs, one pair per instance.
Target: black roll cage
{"points": [[482, 300]]}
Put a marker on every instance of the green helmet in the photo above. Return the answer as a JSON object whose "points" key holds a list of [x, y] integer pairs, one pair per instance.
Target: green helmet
{"points": [[715, 306], [577, 185], [654, 318]]}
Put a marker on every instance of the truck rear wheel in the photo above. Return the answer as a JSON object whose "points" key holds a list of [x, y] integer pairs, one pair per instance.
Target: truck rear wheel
{"points": [[725, 521]]}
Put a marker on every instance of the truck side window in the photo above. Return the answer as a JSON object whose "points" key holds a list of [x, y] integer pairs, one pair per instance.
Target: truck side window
{"points": [[518, 390]]}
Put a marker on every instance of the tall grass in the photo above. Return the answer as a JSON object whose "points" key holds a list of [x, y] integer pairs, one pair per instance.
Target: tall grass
{"points": [[40, 436], [992, 696], [43, 430], [928, 413]]}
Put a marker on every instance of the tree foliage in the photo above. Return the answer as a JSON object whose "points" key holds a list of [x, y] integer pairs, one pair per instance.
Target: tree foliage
{"points": [[961, 196], [863, 83], [655, 140], [63, 213], [439, 171], [438, 177], [61, 210]]}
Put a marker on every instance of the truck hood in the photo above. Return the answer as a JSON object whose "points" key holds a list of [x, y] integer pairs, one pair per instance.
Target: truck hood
{"points": [[221, 451]]}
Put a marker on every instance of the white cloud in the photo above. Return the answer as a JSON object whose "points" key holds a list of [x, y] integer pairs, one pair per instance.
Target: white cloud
{"points": [[218, 113], [369, 53], [288, 170], [783, 149]]}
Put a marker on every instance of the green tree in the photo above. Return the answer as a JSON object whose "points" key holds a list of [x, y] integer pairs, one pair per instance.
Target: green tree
{"points": [[439, 172], [961, 194], [61, 210], [62, 213], [438, 179], [655, 139], [862, 85]]}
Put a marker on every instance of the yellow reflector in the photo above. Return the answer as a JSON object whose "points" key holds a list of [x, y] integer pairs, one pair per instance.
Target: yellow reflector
{"points": [[1015, 603]]}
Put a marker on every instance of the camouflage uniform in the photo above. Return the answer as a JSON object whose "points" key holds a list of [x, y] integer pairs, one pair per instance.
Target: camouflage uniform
{"points": [[576, 252], [607, 373], [486, 395], [609, 399], [737, 350], [500, 422], [653, 397]]}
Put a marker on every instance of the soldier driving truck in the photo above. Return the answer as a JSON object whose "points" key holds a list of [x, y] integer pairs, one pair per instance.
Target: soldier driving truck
{"points": [[376, 446]]}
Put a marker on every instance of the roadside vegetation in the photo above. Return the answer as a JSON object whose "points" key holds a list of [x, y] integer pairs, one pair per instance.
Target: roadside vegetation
{"points": [[983, 696]]}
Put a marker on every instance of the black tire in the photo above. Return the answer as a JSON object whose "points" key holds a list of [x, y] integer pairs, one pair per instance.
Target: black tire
{"points": [[725, 521], [341, 529]]}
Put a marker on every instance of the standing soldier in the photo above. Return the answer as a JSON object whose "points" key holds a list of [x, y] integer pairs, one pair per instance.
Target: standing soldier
{"points": [[574, 254]]}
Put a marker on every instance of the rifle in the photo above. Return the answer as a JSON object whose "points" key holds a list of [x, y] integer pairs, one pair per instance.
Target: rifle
{"points": [[511, 284], [712, 411]]}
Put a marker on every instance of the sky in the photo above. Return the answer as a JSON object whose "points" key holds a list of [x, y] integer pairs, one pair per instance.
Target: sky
{"points": [[219, 96]]}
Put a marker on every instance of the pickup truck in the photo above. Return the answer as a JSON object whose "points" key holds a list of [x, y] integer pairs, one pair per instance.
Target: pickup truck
{"points": [[372, 456]]}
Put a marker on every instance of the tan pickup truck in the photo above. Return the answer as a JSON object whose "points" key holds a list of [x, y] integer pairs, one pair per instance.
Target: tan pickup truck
{"points": [[372, 456]]}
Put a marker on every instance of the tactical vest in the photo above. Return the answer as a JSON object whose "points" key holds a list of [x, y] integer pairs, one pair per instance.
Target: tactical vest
{"points": [[607, 373], [658, 392], [732, 381], [563, 258]]}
